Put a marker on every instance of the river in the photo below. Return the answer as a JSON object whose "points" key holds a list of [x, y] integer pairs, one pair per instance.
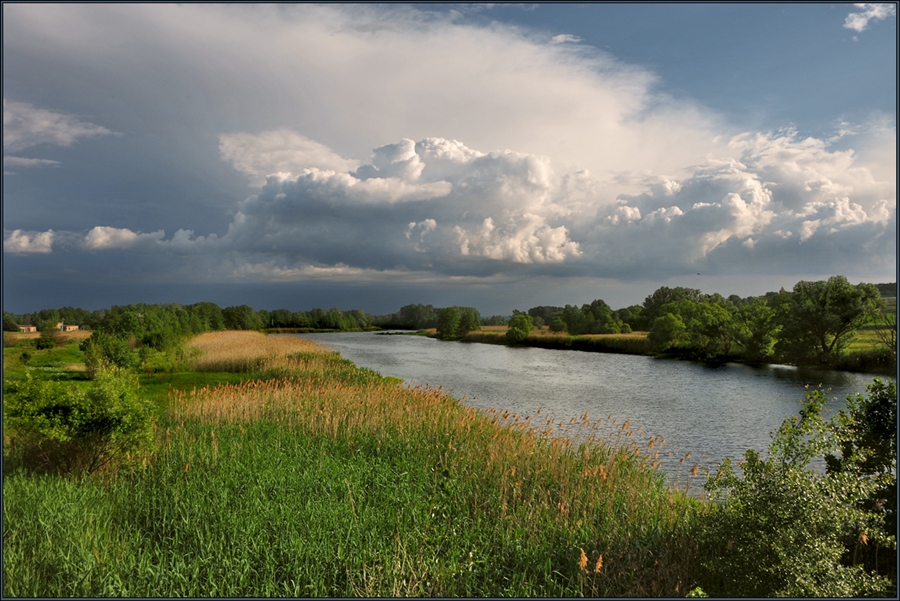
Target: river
{"points": [[708, 411]]}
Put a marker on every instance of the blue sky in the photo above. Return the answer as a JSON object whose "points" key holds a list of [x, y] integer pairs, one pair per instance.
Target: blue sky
{"points": [[500, 156]]}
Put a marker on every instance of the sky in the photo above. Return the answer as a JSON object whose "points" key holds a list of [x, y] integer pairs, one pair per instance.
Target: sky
{"points": [[501, 156]]}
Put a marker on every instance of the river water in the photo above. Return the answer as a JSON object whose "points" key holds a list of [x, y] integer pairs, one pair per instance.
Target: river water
{"points": [[708, 411]]}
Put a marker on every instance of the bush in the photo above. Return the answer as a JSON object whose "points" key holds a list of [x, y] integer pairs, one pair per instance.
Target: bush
{"points": [[49, 339], [519, 328], [58, 428], [102, 351], [779, 530]]}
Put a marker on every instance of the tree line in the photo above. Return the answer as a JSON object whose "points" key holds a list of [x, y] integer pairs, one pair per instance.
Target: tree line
{"points": [[810, 325]]}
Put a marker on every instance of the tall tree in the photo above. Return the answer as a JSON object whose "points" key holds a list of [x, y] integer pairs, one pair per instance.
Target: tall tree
{"points": [[818, 319], [653, 304], [448, 322]]}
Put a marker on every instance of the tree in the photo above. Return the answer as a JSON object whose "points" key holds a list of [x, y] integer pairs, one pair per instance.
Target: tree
{"points": [[653, 304], [576, 321], [494, 320], [242, 317], [469, 320], [448, 323], [9, 322], [633, 317], [819, 318], [709, 327], [887, 334], [757, 328], [667, 331], [557, 325], [545, 313], [519, 327], [600, 318], [209, 314]]}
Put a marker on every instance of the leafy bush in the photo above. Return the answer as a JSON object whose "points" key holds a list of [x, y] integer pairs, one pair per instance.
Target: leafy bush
{"points": [[102, 350], [780, 529], [48, 339], [58, 428], [868, 448], [519, 328]]}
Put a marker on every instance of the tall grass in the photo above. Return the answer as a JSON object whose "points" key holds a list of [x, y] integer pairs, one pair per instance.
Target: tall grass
{"points": [[328, 480], [635, 343]]}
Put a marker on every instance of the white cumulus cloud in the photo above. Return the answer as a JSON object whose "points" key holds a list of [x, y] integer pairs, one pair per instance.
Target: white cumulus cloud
{"points": [[106, 238], [871, 11], [19, 242]]}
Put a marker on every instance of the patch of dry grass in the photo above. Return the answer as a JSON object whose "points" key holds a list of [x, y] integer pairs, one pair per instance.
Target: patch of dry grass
{"points": [[65, 337], [246, 350]]}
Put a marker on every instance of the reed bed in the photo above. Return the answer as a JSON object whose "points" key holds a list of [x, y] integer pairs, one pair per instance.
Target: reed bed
{"points": [[245, 351], [329, 480]]}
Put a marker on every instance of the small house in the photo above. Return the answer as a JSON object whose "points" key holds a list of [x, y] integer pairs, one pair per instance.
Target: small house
{"points": [[28, 329]]}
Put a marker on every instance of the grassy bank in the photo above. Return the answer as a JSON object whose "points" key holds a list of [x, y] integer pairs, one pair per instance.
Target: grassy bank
{"points": [[281, 469], [865, 354]]}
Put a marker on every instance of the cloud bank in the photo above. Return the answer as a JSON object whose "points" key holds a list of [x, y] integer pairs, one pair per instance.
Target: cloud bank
{"points": [[389, 144], [438, 206]]}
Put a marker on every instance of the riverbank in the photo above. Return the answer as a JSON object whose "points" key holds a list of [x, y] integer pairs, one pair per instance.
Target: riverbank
{"points": [[861, 359], [281, 469]]}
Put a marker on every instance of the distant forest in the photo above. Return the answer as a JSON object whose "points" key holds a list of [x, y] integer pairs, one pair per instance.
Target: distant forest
{"points": [[810, 325]]}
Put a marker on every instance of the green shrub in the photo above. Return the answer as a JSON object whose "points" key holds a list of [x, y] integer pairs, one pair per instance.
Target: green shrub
{"points": [[58, 428], [779, 530], [48, 339], [102, 350], [519, 328]]}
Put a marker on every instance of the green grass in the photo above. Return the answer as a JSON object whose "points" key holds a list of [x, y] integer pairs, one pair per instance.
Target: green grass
{"points": [[344, 484]]}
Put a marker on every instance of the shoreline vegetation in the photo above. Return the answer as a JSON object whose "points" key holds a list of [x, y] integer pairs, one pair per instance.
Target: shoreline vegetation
{"points": [[259, 466], [866, 360]]}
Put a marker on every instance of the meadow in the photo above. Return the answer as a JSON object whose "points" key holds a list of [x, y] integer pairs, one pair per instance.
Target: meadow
{"points": [[281, 469]]}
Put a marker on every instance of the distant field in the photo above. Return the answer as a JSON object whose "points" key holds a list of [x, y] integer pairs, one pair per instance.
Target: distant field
{"points": [[66, 336], [545, 331]]}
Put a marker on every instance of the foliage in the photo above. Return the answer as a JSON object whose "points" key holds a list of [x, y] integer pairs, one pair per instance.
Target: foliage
{"points": [[448, 322], [455, 322], [242, 317], [546, 314], [60, 428], [868, 449], [9, 322], [654, 304], [818, 318], [757, 328], [102, 350], [494, 320], [557, 325], [48, 339], [519, 327], [887, 334], [779, 529], [667, 331]]}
